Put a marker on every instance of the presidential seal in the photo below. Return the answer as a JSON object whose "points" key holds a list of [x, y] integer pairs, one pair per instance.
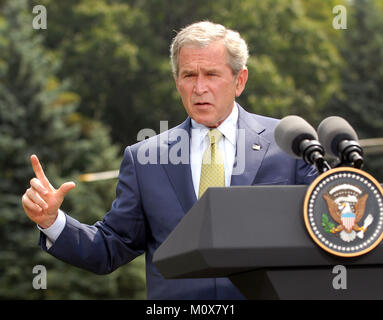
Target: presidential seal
{"points": [[343, 212]]}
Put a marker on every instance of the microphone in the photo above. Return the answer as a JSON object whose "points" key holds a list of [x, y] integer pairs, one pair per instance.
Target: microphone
{"points": [[298, 138], [340, 140]]}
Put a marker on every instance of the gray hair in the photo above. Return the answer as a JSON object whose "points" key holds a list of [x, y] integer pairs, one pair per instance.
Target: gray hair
{"points": [[202, 34]]}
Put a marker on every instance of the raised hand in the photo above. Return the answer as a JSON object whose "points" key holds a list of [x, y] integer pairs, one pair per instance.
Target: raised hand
{"points": [[42, 201]]}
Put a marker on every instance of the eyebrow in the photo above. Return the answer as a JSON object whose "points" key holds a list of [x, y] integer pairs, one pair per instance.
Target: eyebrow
{"points": [[186, 71], [189, 71], [213, 70]]}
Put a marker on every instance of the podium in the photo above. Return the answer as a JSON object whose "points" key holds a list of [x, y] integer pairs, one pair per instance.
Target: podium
{"points": [[255, 236]]}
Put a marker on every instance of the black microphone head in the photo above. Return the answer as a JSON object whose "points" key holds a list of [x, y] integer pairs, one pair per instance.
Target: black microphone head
{"points": [[332, 131], [290, 132]]}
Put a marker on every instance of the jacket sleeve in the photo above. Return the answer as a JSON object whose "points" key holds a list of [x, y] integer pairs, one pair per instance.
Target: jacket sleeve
{"points": [[304, 173], [108, 244]]}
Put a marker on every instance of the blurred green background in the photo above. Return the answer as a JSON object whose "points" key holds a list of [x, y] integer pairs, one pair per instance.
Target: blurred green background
{"points": [[77, 94]]}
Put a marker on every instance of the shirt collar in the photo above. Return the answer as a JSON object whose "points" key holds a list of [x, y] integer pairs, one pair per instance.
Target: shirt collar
{"points": [[228, 127]]}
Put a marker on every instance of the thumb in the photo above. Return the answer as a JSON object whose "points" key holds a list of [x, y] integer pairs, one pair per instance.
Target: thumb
{"points": [[65, 188]]}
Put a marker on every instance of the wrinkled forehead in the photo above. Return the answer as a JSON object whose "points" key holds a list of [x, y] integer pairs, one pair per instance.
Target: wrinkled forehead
{"points": [[213, 54]]}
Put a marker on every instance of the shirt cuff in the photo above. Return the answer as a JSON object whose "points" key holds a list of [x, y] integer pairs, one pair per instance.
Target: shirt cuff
{"points": [[54, 231]]}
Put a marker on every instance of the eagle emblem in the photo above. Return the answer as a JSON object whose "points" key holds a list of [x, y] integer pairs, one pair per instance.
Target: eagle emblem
{"points": [[346, 204], [343, 211]]}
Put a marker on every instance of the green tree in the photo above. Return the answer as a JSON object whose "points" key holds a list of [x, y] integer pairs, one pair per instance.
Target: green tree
{"points": [[360, 100], [38, 115], [120, 82], [116, 53], [293, 59]]}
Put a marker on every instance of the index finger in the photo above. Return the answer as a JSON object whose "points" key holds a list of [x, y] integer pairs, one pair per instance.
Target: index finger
{"points": [[38, 170]]}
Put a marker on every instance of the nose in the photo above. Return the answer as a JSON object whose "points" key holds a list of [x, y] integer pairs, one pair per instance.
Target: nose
{"points": [[200, 86]]}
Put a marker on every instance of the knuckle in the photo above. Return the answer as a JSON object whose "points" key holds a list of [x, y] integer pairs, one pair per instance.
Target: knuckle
{"points": [[32, 194], [26, 201], [34, 182]]}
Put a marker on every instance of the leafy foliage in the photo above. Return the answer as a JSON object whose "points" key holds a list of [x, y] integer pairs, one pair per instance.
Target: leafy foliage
{"points": [[122, 48], [360, 98], [327, 224], [38, 115]]}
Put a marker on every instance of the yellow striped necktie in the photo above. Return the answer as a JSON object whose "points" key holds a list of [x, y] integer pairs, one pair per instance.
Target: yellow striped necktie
{"points": [[212, 169]]}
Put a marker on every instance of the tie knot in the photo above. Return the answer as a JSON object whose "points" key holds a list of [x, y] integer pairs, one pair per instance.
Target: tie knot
{"points": [[214, 136]]}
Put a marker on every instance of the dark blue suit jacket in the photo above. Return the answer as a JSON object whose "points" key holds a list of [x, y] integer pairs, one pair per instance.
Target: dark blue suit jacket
{"points": [[151, 199]]}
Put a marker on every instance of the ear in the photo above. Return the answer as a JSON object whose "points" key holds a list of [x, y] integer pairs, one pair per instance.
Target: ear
{"points": [[241, 81]]}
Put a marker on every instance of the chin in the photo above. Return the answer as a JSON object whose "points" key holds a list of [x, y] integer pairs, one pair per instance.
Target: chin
{"points": [[205, 122]]}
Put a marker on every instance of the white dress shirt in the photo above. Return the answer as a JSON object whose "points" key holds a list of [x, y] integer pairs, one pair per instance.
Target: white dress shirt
{"points": [[199, 142]]}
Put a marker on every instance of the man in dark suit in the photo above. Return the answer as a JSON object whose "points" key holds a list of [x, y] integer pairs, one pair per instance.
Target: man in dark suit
{"points": [[162, 177]]}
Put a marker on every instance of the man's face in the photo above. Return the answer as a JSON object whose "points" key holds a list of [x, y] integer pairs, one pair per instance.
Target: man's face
{"points": [[206, 83]]}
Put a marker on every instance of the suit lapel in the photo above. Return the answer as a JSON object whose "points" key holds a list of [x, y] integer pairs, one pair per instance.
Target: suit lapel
{"points": [[250, 151], [180, 174]]}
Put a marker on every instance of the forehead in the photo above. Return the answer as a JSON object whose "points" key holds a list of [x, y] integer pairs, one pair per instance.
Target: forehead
{"points": [[213, 55]]}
